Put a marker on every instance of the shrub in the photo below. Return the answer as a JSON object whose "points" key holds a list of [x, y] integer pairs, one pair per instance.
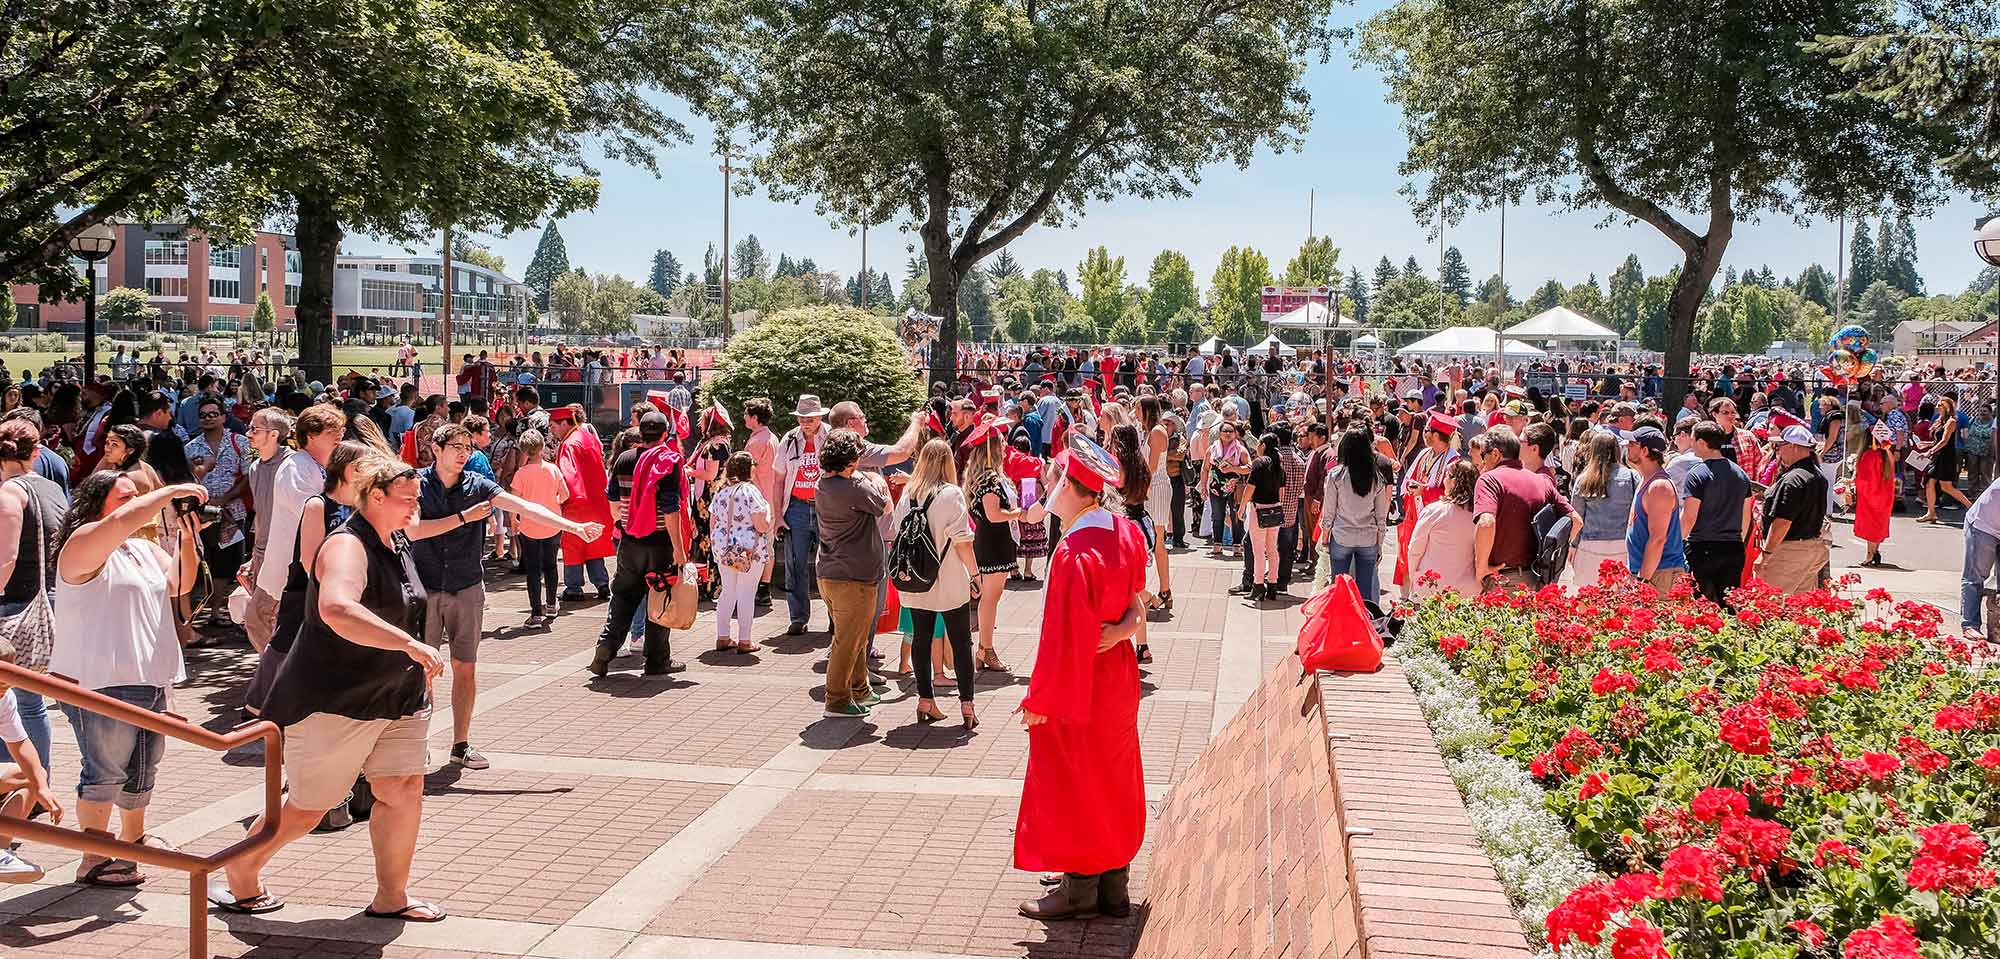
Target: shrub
{"points": [[835, 352], [1809, 775]]}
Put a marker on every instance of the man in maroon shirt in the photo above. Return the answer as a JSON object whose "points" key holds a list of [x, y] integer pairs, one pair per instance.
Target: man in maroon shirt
{"points": [[1319, 457], [1504, 505]]}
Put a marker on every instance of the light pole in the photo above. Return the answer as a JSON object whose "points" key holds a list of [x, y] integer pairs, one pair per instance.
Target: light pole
{"points": [[1986, 243], [92, 245]]}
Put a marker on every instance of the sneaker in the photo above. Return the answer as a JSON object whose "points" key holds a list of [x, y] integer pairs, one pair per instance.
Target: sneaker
{"points": [[603, 594], [468, 757], [634, 647], [797, 628], [534, 622], [849, 711], [571, 596], [877, 681], [764, 596], [14, 869], [873, 699]]}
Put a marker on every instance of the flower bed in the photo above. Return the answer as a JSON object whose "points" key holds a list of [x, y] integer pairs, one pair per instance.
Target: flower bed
{"points": [[1811, 776]]}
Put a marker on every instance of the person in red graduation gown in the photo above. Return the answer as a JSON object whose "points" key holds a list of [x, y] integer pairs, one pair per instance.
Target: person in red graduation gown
{"points": [[580, 459], [1422, 486], [1083, 804]]}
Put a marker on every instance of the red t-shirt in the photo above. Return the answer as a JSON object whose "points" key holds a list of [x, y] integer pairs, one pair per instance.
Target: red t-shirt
{"points": [[1513, 495], [805, 483]]}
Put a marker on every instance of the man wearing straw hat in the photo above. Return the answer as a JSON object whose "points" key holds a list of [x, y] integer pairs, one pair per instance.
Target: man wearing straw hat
{"points": [[798, 483]]}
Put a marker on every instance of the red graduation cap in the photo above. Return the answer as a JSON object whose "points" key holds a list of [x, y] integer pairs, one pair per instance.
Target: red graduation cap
{"points": [[677, 423], [720, 415], [1442, 423], [1780, 419], [1089, 464], [933, 423], [986, 430], [562, 414]]}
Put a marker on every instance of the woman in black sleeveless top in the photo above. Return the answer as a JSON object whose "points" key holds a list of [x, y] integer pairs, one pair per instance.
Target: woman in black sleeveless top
{"points": [[354, 693], [318, 517]]}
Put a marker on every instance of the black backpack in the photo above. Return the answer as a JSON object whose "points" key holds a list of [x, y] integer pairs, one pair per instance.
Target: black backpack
{"points": [[1552, 532], [913, 555]]}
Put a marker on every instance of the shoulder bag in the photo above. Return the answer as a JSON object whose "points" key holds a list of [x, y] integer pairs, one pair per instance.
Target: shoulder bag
{"points": [[32, 631]]}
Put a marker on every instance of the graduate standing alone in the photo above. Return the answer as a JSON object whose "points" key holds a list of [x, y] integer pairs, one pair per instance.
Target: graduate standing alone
{"points": [[1083, 804]]}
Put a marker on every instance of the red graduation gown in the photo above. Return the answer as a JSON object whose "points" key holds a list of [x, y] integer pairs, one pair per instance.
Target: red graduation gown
{"points": [[1083, 804], [581, 461]]}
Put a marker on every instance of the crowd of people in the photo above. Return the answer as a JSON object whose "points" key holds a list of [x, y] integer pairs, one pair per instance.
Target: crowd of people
{"points": [[357, 524]]}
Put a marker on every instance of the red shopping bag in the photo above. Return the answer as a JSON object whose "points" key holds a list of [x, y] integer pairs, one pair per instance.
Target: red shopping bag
{"points": [[1339, 634], [409, 450], [892, 607]]}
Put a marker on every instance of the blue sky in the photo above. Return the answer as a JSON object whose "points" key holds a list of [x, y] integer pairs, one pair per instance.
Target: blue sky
{"points": [[1348, 160]]}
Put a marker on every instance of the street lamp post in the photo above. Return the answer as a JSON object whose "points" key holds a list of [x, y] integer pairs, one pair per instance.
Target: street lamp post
{"points": [[1986, 243], [92, 245]]}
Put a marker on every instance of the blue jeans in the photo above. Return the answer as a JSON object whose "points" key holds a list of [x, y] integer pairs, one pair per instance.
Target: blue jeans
{"points": [[1981, 550], [120, 760], [801, 539], [1224, 520], [573, 576], [1359, 562]]}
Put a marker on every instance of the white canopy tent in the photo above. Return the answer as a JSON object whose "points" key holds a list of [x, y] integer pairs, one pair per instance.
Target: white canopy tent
{"points": [[1367, 341], [1560, 324], [1264, 348], [1313, 316], [1211, 346], [1466, 341]]}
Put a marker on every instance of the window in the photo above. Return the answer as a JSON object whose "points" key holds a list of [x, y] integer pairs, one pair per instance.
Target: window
{"points": [[292, 261], [291, 294], [225, 257], [176, 286], [225, 324], [166, 252], [386, 295], [337, 266], [230, 290]]}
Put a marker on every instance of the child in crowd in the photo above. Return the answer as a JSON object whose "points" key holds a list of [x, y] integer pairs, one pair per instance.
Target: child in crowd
{"points": [[23, 783]]}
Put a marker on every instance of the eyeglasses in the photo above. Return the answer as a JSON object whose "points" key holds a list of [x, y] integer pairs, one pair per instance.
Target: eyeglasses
{"points": [[459, 447]]}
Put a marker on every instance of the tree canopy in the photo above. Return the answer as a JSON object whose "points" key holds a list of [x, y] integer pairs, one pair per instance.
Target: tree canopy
{"points": [[979, 119]]}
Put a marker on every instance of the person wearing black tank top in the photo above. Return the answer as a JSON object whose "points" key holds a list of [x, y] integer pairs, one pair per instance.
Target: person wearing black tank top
{"points": [[353, 695]]}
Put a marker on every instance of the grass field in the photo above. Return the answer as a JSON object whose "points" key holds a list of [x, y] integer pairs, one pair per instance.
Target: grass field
{"points": [[344, 358]]}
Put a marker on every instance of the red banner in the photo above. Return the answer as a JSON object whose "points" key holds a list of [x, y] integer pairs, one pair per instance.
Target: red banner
{"points": [[1280, 300]]}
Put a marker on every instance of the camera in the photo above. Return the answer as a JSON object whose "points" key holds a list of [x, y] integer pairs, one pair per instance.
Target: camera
{"points": [[209, 515]]}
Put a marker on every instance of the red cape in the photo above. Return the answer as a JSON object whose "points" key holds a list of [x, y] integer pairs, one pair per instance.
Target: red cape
{"points": [[1083, 804], [581, 460]]}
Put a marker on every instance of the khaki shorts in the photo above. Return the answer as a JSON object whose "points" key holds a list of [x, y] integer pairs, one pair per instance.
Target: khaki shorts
{"points": [[1794, 566], [260, 623], [324, 752], [455, 620]]}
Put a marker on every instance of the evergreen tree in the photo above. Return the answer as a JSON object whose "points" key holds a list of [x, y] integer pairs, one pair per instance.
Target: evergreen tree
{"points": [[551, 260], [1357, 294], [1003, 267], [1494, 293], [749, 261], [975, 304], [1885, 254], [1412, 268], [1172, 289], [1876, 309], [1586, 299], [666, 275], [785, 268], [1767, 279], [1548, 295], [913, 269], [805, 265], [1654, 318], [1906, 277], [266, 318], [1622, 307], [1317, 264], [885, 293], [1728, 279], [1062, 282], [1385, 273], [1816, 286], [1453, 277], [711, 267], [1861, 269]]}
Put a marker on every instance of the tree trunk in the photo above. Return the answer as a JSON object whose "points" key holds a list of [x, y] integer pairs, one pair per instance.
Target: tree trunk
{"points": [[319, 237], [943, 290], [1698, 269]]}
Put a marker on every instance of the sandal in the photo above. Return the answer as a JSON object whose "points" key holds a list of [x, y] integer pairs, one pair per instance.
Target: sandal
{"points": [[405, 914], [723, 645], [966, 714], [989, 661], [112, 874], [1167, 600], [256, 905], [746, 647]]}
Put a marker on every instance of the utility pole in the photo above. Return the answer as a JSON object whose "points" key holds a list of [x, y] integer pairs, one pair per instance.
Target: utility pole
{"points": [[1840, 275], [727, 155], [444, 307], [1310, 197], [1503, 243], [1440, 266], [862, 283]]}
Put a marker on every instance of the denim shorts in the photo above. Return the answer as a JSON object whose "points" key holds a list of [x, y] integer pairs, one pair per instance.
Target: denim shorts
{"points": [[120, 760]]}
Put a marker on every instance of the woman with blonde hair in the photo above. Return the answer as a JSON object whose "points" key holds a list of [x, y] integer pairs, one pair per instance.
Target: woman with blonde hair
{"points": [[933, 492], [1943, 451], [1603, 495], [1156, 437], [1441, 549], [994, 504]]}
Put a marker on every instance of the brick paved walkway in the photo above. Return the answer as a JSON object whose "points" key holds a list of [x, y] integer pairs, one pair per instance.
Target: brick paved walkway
{"points": [[716, 814]]}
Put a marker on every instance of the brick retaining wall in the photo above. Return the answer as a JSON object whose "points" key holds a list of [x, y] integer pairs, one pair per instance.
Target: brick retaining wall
{"points": [[1320, 824]]}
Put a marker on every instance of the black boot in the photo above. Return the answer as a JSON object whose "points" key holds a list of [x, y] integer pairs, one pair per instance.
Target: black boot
{"points": [[1113, 897], [1076, 898], [659, 651], [600, 661]]}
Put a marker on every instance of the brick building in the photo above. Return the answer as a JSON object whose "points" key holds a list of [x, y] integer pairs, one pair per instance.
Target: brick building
{"points": [[198, 286]]}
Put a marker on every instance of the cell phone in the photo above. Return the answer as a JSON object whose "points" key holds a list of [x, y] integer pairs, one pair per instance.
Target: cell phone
{"points": [[1027, 491]]}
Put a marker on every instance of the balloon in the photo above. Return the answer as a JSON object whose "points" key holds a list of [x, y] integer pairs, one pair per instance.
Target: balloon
{"points": [[1848, 357]]}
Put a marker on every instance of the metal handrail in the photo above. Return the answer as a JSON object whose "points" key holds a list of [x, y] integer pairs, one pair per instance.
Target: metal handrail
{"points": [[65, 690]]}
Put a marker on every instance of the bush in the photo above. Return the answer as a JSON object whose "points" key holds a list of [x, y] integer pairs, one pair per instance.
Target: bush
{"points": [[1809, 775], [51, 343], [835, 352]]}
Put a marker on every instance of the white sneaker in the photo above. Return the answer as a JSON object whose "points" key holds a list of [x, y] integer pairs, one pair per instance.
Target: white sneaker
{"points": [[635, 647], [14, 869]]}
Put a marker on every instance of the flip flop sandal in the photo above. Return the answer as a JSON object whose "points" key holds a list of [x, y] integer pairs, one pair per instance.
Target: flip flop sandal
{"points": [[404, 914], [113, 874], [220, 897], [149, 839]]}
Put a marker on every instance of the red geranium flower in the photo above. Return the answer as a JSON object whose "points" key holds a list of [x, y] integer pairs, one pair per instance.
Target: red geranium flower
{"points": [[1581, 915], [1833, 850], [1691, 869], [1921, 756], [1989, 759], [1638, 941], [1608, 681], [1955, 718], [1711, 805], [1809, 931], [1634, 888], [1747, 729], [1593, 785], [1752, 841], [1451, 646], [1892, 937], [1949, 860], [1880, 767]]}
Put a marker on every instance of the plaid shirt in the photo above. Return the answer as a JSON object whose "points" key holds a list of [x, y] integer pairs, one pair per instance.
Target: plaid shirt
{"points": [[1294, 467]]}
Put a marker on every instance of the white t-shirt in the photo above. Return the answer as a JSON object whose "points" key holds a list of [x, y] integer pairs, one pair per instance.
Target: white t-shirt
{"points": [[11, 729], [299, 477]]}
